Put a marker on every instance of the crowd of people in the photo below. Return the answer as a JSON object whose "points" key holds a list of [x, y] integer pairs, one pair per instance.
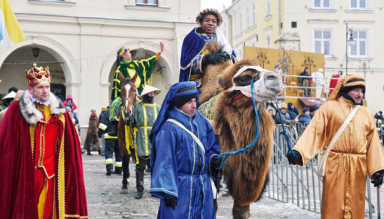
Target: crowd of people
{"points": [[42, 172]]}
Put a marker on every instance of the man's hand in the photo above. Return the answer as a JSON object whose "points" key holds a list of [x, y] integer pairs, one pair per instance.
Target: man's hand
{"points": [[161, 47], [377, 178], [170, 201], [216, 162], [216, 57], [293, 159]]}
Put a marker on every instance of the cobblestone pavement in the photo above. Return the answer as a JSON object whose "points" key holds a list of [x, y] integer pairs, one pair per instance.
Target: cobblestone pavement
{"points": [[105, 201]]}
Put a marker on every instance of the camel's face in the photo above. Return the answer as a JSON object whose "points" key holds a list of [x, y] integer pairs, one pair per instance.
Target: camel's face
{"points": [[267, 84]]}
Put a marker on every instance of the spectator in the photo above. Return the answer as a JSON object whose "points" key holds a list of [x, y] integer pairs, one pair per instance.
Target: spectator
{"points": [[103, 119], [305, 82], [14, 89], [312, 111], [379, 115], [305, 117], [285, 116], [69, 101], [292, 111]]}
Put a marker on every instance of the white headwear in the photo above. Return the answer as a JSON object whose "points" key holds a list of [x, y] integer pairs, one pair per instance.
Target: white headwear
{"points": [[10, 95], [149, 89]]}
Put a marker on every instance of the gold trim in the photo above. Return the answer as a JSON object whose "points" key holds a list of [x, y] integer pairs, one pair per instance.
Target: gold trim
{"points": [[374, 171], [75, 215], [61, 173], [32, 135]]}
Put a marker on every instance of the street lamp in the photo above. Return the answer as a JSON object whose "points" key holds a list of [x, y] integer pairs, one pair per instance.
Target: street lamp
{"points": [[349, 42]]}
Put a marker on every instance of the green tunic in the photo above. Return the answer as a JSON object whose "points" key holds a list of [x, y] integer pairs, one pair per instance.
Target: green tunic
{"points": [[145, 115], [143, 68]]}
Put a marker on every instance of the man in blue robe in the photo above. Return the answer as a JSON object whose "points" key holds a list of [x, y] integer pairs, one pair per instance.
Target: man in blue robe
{"points": [[194, 57], [181, 168]]}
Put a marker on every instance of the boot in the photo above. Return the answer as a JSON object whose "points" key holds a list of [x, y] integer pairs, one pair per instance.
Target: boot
{"points": [[118, 170], [109, 169], [139, 184]]}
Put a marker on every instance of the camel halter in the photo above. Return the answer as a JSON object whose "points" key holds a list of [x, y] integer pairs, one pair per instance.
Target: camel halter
{"points": [[248, 147], [247, 91]]}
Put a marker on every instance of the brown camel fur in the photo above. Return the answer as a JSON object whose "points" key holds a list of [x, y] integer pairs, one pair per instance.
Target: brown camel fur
{"points": [[246, 174], [127, 111], [210, 86]]}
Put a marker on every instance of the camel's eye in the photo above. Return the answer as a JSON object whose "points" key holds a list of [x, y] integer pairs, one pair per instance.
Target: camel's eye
{"points": [[243, 80]]}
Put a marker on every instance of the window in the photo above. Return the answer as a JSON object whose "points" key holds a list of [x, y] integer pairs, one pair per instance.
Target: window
{"points": [[360, 49], [322, 42], [358, 4], [268, 8], [322, 3], [294, 24], [240, 24], [224, 25], [146, 2], [253, 14], [248, 18], [268, 41], [234, 29]]}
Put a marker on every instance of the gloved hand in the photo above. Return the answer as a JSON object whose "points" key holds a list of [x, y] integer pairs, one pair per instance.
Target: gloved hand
{"points": [[215, 58], [377, 178], [170, 201], [293, 159], [216, 162]]}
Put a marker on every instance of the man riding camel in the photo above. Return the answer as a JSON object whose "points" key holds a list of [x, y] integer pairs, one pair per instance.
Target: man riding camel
{"points": [[194, 57]]}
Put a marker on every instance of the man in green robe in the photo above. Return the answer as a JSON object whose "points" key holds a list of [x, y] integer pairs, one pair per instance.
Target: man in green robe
{"points": [[145, 114], [129, 68]]}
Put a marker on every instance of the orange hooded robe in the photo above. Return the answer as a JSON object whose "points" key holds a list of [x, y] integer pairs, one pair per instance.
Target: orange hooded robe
{"points": [[356, 153]]}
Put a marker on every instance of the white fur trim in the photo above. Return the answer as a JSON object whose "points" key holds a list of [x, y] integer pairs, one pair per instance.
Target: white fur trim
{"points": [[32, 115]]}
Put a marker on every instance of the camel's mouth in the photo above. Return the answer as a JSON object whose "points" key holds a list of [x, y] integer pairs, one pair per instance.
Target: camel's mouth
{"points": [[273, 83]]}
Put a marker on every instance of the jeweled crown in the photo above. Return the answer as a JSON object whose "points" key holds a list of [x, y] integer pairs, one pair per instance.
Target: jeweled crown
{"points": [[38, 75]]}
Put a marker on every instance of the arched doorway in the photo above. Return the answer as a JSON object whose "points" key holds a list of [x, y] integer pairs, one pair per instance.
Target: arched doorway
{"points": [[158, 78], [13, 69]]}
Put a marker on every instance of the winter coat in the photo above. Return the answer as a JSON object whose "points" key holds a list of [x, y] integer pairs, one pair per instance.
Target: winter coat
{"points": [[69, 96], [305, 118], [92, 138], [286, 118], [103, 120]]}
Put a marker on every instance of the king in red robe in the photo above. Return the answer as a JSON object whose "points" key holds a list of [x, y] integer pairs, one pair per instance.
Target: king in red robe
{"points": [[42, 171]]}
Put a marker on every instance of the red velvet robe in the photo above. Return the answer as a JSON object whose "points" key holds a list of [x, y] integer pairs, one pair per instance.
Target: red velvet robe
{"points": [[17, 181]]}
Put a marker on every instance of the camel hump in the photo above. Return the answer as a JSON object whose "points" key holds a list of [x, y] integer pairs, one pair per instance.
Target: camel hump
{"points": [[212, 46]]}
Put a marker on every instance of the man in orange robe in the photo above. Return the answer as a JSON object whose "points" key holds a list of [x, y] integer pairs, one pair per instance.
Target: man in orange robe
{"points": [[42, 173], [356, 153]]}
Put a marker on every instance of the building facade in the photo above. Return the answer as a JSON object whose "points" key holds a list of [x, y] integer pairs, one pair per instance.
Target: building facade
{"points": [[316, 26], [79, 41]]}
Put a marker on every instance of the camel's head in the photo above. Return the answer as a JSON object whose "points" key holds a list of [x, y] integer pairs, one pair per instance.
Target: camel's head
{"points": [[267, 84]]}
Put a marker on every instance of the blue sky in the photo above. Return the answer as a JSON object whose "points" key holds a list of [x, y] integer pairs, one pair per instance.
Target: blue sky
{"points": [[218, 4]]}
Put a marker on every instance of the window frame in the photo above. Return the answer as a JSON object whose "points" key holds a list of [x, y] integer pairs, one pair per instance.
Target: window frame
{"points": [[322, 4], [331, 40], [146, 3], [268, 8], [240, 26], [248, 17], [268, 35], [367, 44], [253, 14], [367, 5]]}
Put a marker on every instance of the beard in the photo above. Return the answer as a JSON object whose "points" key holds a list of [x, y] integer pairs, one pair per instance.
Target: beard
{"points": [[148, 99]]}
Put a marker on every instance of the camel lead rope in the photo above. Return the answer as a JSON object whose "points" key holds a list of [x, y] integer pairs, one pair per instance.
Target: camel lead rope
{"points": [[284, 132], [240, 151]]}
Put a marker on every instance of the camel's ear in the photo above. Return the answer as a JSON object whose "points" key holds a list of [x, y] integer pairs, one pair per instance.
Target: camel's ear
{"points": [[134, 78], [121, 78]]}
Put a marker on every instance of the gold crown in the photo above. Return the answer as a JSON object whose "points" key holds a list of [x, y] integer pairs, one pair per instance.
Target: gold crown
{"points": [[38, 75], [124, 50]]}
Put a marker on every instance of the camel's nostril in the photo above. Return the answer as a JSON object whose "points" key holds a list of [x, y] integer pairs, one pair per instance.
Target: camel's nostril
{"points": [[271, 77]]}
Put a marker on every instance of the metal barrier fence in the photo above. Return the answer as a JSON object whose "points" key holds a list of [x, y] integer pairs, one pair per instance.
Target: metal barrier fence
{"points": [[300, 185]]}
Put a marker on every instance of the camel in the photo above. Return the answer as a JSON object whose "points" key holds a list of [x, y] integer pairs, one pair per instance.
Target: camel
{"points": [[246, 174], [128, 96]]}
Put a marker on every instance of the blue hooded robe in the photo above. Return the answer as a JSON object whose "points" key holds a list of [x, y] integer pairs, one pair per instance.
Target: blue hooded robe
{"points": [[180, 167]]}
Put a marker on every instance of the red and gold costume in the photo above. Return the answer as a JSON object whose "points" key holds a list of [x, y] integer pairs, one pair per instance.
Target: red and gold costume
{"points": [[42, 175]]}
